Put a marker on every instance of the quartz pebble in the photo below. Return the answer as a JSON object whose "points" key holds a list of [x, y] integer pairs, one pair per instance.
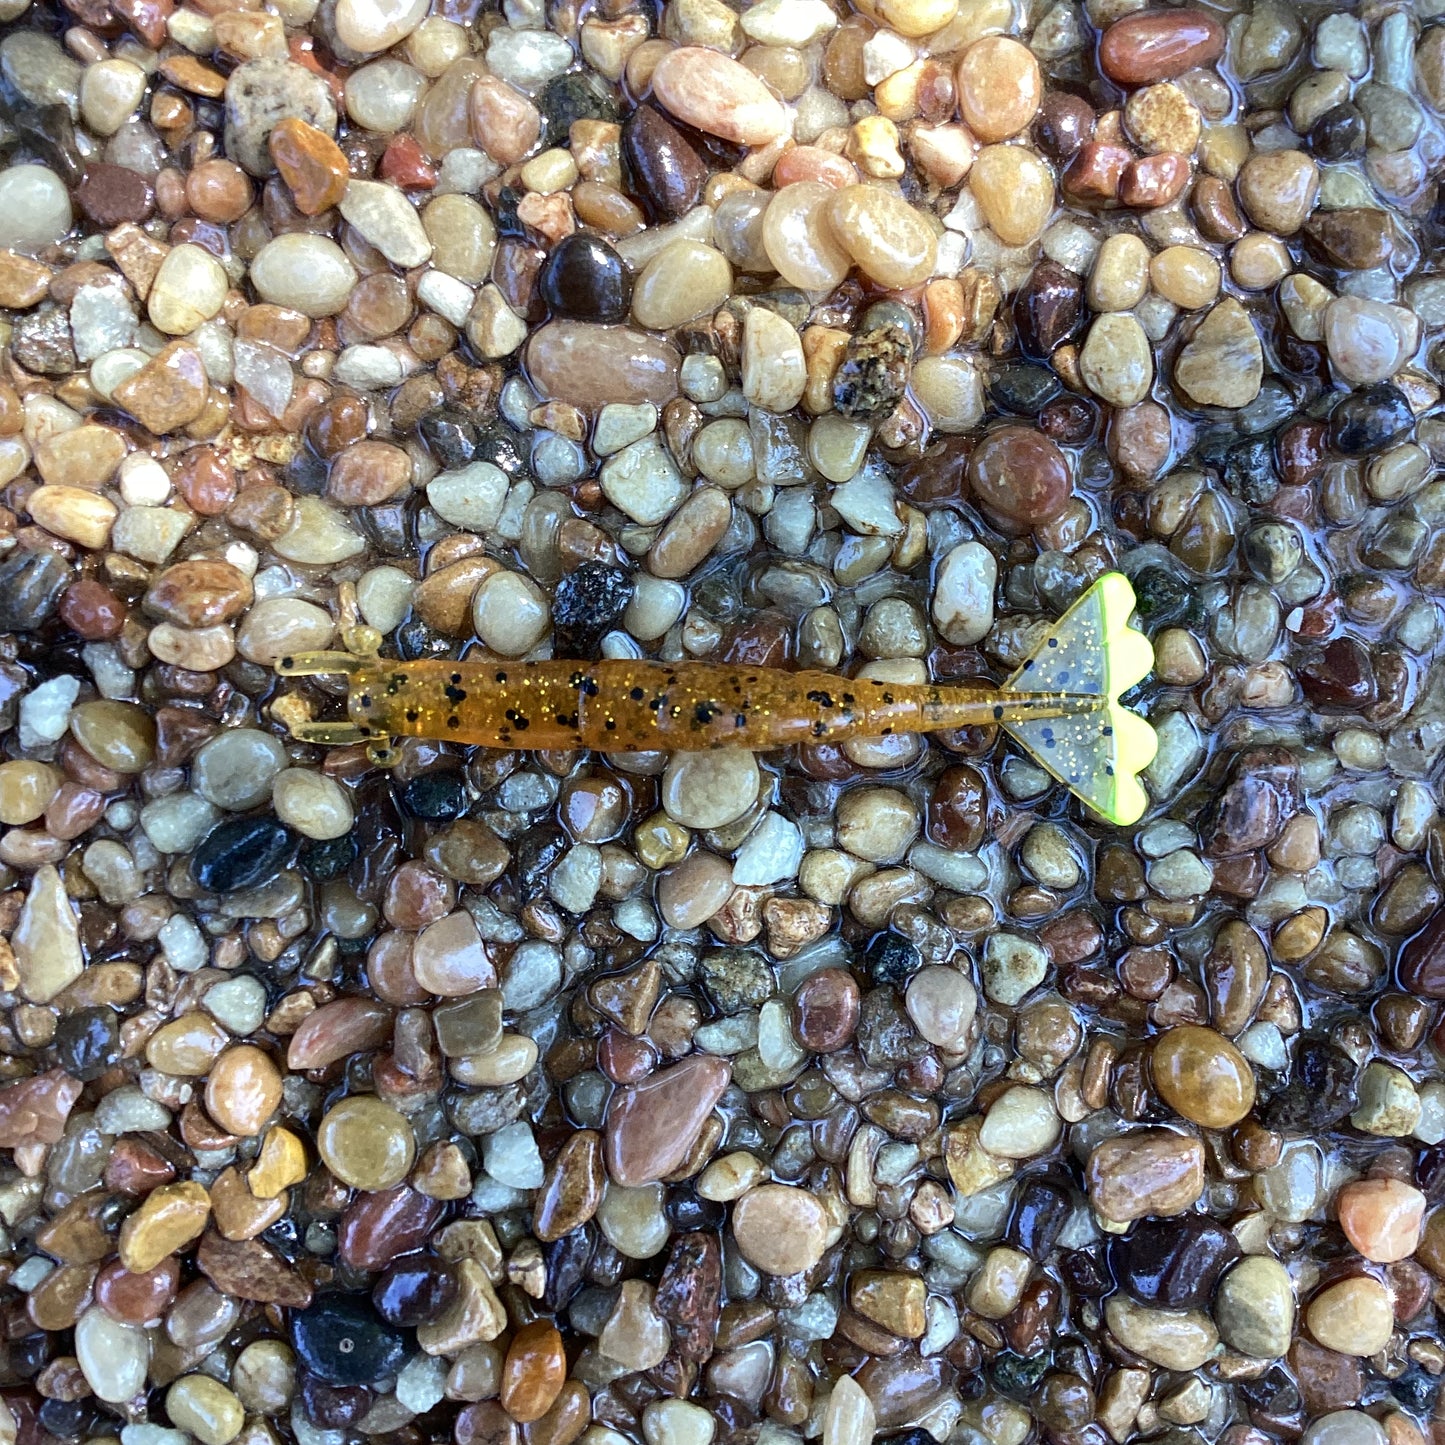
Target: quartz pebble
{"points": [[779, 1230]]}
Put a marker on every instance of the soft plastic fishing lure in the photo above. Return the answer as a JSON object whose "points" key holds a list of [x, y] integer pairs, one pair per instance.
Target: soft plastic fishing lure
{"points": [[1062, 705]]}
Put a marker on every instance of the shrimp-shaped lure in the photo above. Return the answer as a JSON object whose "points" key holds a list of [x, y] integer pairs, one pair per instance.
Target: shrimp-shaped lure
{"points": [[1062, 706]]}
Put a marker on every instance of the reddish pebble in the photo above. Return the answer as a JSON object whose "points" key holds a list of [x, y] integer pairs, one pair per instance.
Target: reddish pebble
{"points": [[377, 1227], [825, 1010], [34, 1110], [534, 1371], [813, 163], [92, 610], [135, 1168], [1158, 45], [368, 473], [111, 195], [219, 191], [1019, 477], [1300, 450], [417, 895], [624, 1059], [72, 811], [147, 18], [405, 163], [137, 1299], [1092, 178], [1381, 1218], [206, 481], [1154, 180]]}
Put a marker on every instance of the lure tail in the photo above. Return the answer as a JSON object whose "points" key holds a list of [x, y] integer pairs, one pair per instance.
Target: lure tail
{"points": [[1099, 751]]}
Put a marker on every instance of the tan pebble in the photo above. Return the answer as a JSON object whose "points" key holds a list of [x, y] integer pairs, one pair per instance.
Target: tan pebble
{"points": [[74, 513], [1223, 362], [780, 1230], [684, 280], [1015, 190], [713, 92], [366, 1143], [890, 241], [798, 239], [280, 1164], [774, 372], [1120, 274], [1352, 1317], [1258, 261], [1116, 362], [912, 17], [244, 1090], [999, 87], [1277, 190], [1185, 275], [1162, 118], [873, 147], [168, 1219]]}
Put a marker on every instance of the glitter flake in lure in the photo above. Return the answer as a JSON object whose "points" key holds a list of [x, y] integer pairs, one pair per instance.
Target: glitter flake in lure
{"points": [[1062, 706]]}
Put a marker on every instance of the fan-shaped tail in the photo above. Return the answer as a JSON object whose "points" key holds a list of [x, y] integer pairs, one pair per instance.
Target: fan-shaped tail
{"points": [[1091, 652]]}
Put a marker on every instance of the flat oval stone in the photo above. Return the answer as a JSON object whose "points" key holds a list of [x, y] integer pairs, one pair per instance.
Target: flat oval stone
{"points": [[713, 92], [340, 1339], [1202, 1076], [1020, 478], [241, 853], [652, 1125], [1156, 45], [779, 1229], [591, 365]]}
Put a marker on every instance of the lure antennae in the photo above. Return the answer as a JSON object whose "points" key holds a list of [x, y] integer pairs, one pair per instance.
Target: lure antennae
{"points": [[315, 664], [1098, 752]]}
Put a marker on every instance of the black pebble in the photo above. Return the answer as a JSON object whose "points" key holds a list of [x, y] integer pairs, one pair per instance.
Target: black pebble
{"points": [[438, 797], [667, 174], [1042, 1206], [450, 436], [87, 1042], [1370, 419], [340, 1339], [589, 602], [1023, 390], [1175, 1263], [584, 279], [1249, 471], [499, 444], [31, 582], [572, 97], [1320, 1093], [1338, 134], [414, 1291], [325, 859], [892, 959], [241, 853]]}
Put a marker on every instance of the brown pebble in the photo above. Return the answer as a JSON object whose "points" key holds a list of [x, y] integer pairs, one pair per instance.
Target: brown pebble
{"points": [[533, 1372], [111, 194]]}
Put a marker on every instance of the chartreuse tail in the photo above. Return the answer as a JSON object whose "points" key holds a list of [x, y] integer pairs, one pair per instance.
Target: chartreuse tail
{"points": [[1099, 751]]}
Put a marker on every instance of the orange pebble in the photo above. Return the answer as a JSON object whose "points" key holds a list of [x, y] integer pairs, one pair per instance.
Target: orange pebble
{"points": [[534, 1372]]}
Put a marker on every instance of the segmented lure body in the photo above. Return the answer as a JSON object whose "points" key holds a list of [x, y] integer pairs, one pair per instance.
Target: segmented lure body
{"points": [[1062, 705]]}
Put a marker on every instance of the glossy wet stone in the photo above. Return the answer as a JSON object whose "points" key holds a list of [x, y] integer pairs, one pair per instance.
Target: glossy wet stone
{"points": [[667, 171], [340, 1339], [1173, 1263], [584, 279], [651, 1125], [241, 853]]}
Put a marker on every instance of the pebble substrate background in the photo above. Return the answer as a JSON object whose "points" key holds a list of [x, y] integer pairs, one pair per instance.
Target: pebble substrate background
{"points": [[513, 1099]]}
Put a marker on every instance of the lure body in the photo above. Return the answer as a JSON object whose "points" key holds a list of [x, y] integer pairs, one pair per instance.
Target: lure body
{"points": [[1061, 705]]}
